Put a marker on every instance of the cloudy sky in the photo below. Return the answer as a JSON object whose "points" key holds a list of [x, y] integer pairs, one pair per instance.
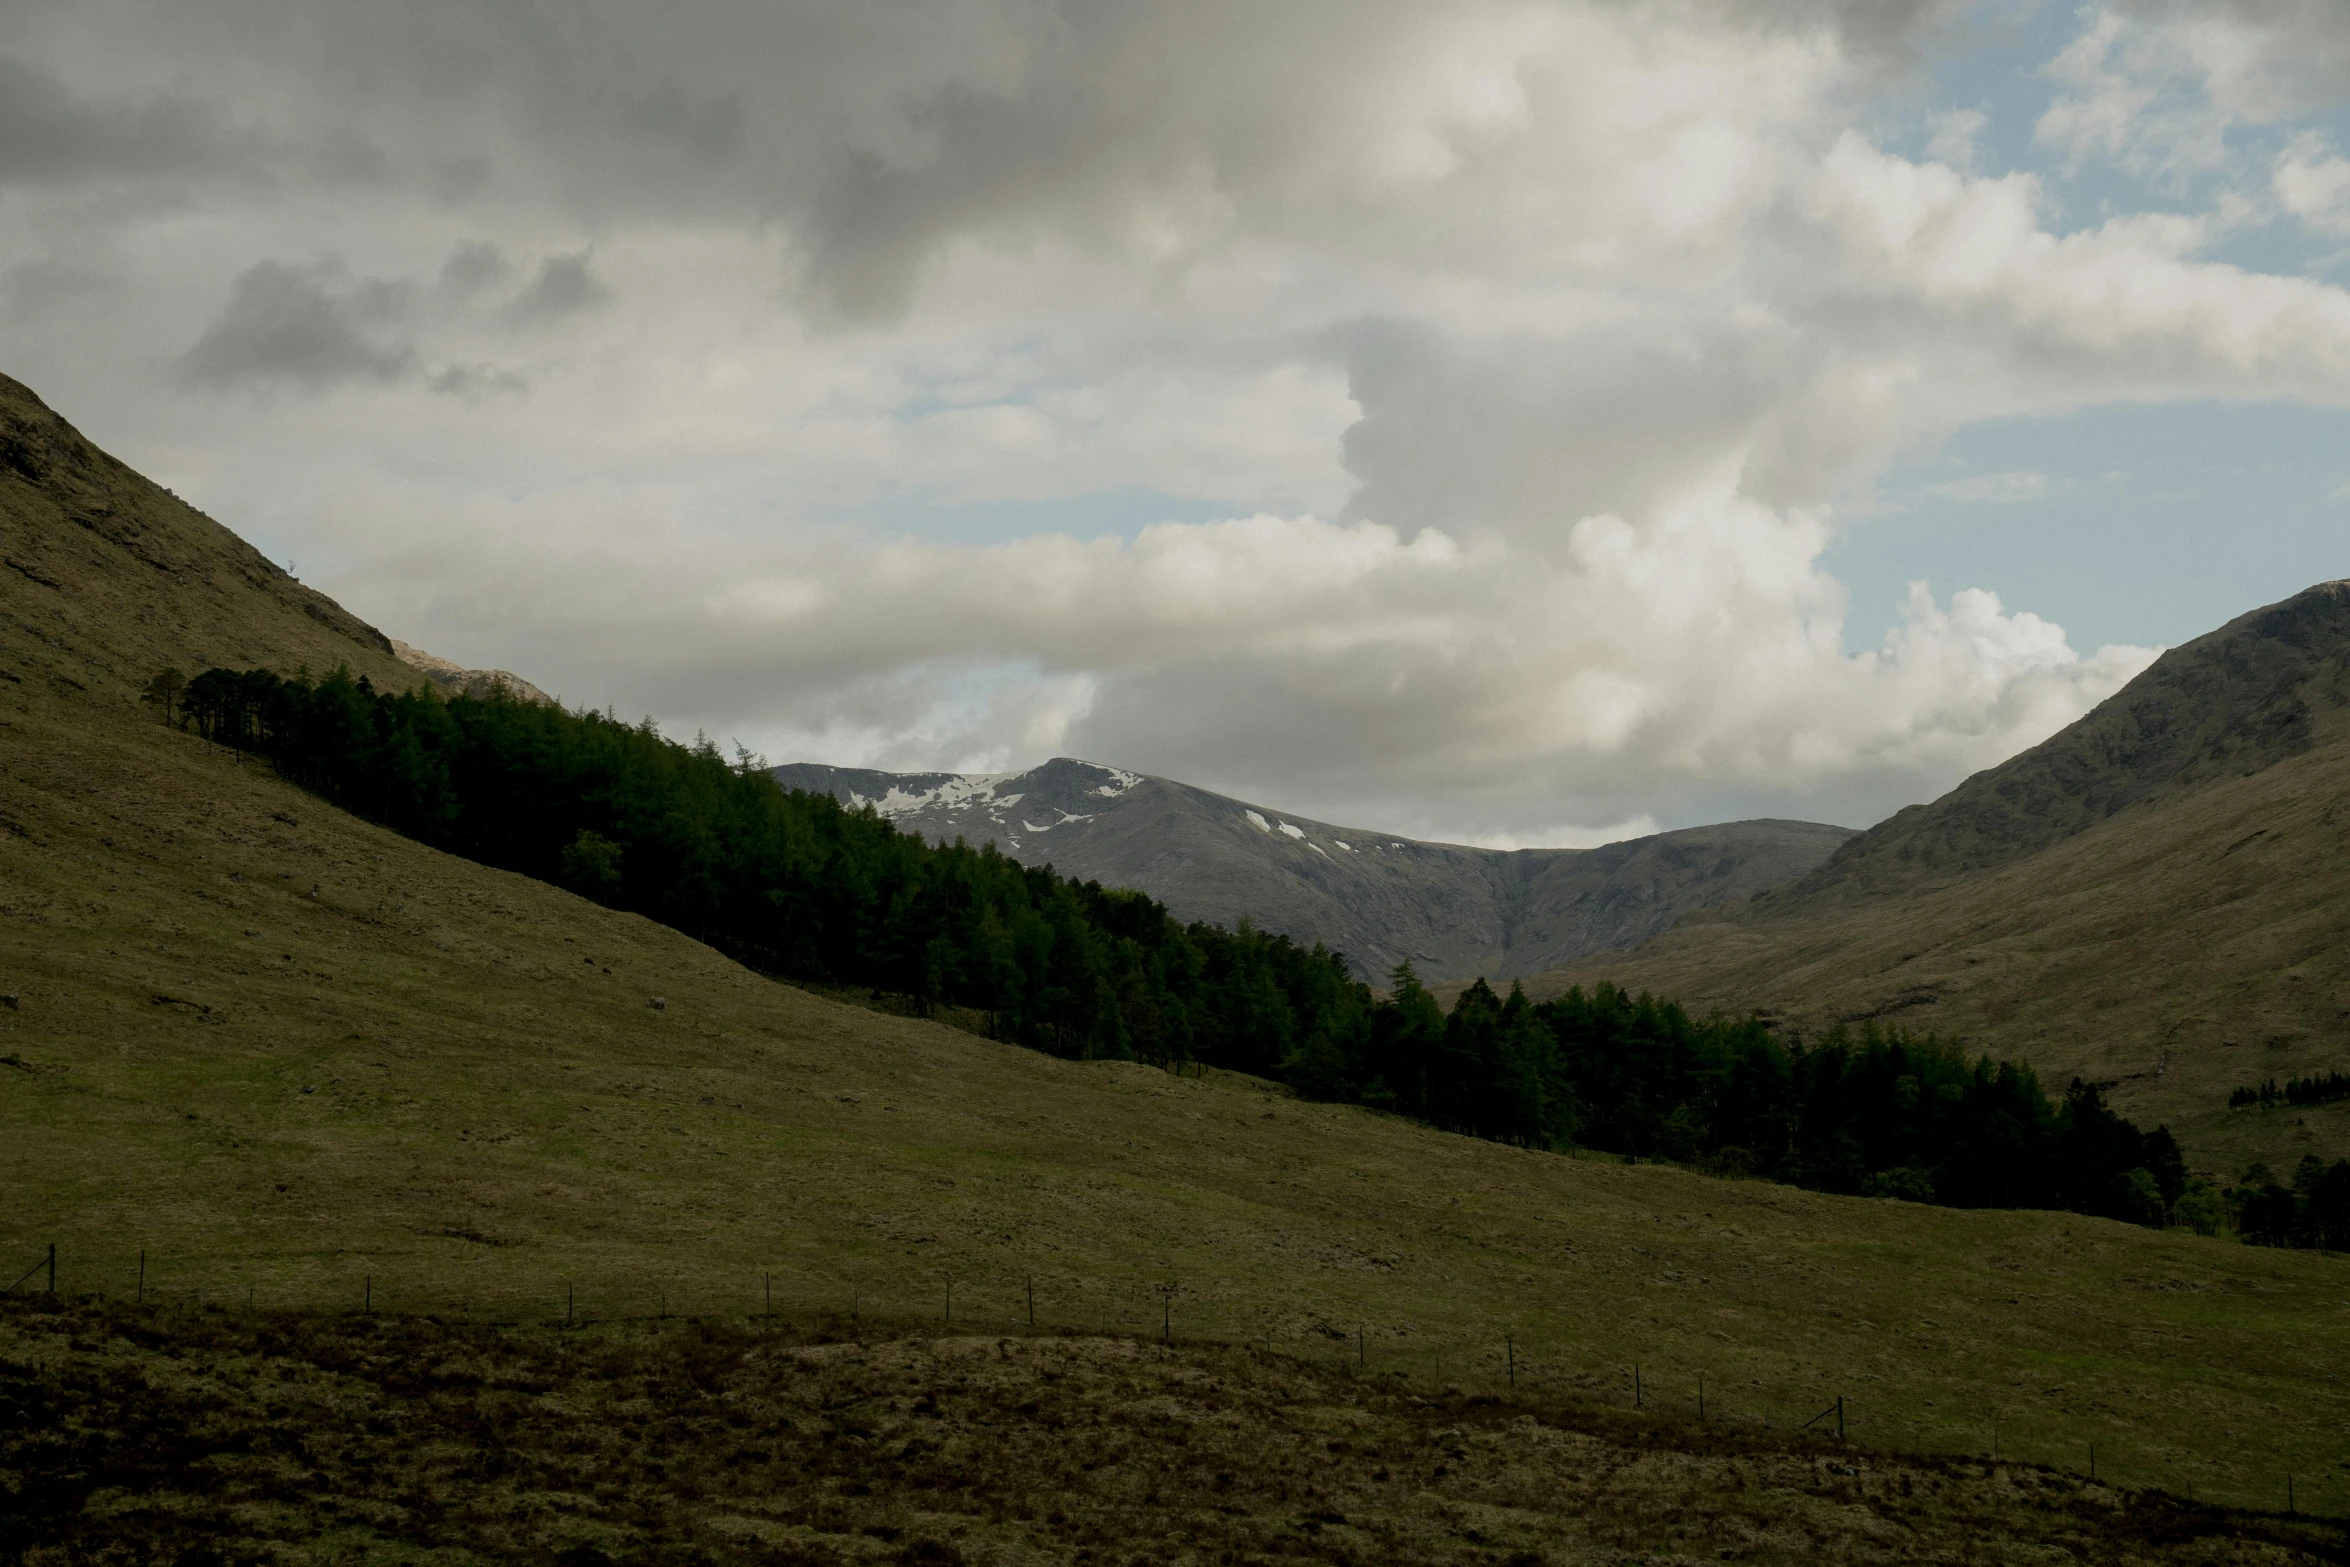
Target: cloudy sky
{"points": [[1523, 422]]}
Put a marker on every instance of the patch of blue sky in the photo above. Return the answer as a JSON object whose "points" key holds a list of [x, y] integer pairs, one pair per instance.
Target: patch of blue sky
{"points": [[1990, 61], [921, 512], [1995, 61], [2129, 523]]}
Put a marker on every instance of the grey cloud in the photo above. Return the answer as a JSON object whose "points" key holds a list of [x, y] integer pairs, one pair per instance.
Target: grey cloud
{"points": [[478, 382], [472, 267], [50, 136], [48, 284], [310, 326], [1461, 434], [564, 286], [873, 134]]}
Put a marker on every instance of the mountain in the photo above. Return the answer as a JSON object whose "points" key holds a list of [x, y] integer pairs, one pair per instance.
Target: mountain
{"points": [[1449, 910], [2157, 897]]}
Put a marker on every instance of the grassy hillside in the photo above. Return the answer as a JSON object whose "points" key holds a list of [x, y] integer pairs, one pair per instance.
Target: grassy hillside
{"points": [[106, 577], [2266, 687], [2176, 949], [285, 1053], [299, 1063]]}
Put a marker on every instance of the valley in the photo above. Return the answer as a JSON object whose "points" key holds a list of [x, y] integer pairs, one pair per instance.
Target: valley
{"points": [[262, 1062]]}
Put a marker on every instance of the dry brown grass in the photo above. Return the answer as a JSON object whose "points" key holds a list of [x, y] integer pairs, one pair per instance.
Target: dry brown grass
{"points": [[143, 1435]]}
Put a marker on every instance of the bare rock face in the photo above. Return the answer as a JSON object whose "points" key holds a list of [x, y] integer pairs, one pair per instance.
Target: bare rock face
{"points": [[1451, 911]]}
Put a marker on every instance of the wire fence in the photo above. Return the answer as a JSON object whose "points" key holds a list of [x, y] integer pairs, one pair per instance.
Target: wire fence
{"points": [[1534, 1366]]}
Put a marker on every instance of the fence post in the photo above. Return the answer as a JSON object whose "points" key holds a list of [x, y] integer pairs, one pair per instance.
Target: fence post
{"points": [[1362, 1347], [1636, 1398], [1509, 1347]]}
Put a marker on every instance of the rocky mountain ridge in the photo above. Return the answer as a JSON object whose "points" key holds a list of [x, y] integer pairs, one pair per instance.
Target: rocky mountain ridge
{"points": [[1451, 910]]}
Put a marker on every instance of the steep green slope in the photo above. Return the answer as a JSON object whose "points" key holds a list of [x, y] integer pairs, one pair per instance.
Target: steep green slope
{"points": [[106, 577], [2265, 687]]}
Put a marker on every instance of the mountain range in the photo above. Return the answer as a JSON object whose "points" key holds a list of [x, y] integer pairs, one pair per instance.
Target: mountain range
{"points": [[1450, 910]]}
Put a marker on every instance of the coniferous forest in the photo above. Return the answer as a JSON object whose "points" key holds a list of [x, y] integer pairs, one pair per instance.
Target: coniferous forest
{"points": [[796, 886]]}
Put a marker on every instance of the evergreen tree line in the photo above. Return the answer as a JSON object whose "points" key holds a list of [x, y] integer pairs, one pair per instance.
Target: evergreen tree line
{"points": [[1874, 1112], [2311, 1090], [2314, 1211], [793, 884]]}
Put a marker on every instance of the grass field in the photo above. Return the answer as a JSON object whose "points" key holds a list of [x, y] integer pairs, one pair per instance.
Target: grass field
{"points": [[300, 1062], [145, 1434]]}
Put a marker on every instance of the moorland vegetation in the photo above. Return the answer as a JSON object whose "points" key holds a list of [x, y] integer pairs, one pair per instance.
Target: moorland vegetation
{"points": [[212, 1436]]}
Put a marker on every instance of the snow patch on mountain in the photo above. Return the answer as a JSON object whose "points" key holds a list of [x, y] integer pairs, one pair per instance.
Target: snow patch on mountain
{"points": [[956, 794]]}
